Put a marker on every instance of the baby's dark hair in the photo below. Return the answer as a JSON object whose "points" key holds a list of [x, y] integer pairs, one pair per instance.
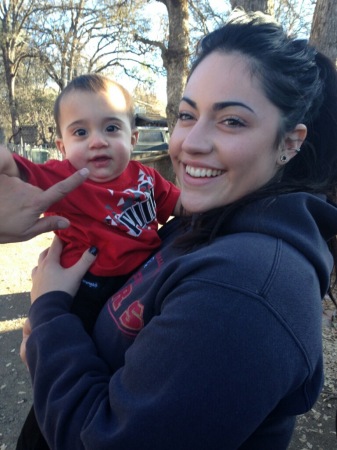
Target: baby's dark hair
{"points": [[92, 82], [299, 81]]}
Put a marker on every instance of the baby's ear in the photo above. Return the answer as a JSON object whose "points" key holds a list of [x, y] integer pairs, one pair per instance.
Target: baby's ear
{"points": [[60, 146], [134, 137]]}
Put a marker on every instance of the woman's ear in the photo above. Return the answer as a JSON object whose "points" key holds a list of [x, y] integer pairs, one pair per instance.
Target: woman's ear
{"points": [[294, 139], [292, 143]]}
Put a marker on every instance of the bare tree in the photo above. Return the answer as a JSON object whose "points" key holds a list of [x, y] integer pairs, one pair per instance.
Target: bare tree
{"points": [[175, 54], [36, 100], [77, 36], [324, 28], [66, 37], [295, 16], [205, 18], [14, 15], [266, 6]]}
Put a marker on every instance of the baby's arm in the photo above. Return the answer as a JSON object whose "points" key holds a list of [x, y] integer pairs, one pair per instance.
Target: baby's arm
{"points": [[8, 165]]}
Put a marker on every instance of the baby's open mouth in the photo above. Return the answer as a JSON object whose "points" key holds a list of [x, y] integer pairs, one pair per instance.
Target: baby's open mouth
{"points": [[100, 158]]}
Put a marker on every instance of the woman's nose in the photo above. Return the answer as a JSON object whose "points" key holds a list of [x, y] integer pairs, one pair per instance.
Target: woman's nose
{"points": [[198, 139]]}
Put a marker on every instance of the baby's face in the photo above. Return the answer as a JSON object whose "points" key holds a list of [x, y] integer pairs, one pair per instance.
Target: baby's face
{"points": [[96, 132]]}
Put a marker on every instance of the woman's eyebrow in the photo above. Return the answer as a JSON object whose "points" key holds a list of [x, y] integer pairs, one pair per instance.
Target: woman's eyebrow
{"points": [[189, 101], [219, 105], [222, 105]]}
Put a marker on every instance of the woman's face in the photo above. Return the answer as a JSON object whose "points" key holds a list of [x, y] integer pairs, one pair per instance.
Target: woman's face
{"points": [[223, 145]]}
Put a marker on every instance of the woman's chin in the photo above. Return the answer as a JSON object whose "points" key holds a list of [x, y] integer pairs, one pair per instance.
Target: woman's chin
{"points": [[194, 206]]}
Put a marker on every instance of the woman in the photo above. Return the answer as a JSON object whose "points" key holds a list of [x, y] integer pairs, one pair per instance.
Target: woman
{"points": [[216, 341]]}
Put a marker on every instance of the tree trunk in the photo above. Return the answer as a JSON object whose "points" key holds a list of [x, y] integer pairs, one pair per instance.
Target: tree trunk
{"points": [[175, 57], [10, 82], [324, 28], [266, 6], [13, 17]]}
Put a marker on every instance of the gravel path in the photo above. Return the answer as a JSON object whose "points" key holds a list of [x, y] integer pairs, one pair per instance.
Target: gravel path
{"points": [[16, 263], [315, 430]]}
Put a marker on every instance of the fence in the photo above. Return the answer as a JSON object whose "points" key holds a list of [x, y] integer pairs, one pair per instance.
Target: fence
{"points": [[159, 160], [36, 154]]}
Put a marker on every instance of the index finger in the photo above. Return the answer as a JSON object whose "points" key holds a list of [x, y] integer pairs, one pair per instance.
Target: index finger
{"points": [[62, 188]]}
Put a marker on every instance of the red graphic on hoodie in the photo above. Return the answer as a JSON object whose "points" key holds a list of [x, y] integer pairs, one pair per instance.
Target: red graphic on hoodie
{"points": [[132, 318], [118, 298]]}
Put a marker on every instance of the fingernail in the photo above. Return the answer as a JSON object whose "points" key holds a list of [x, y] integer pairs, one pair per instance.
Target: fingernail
{"points": [[63, 224], [93, 250], [84, 172]]}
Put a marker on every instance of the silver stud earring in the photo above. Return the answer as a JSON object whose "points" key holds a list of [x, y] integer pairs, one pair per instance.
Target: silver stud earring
{"points": [[283, 158], [297, 150]]}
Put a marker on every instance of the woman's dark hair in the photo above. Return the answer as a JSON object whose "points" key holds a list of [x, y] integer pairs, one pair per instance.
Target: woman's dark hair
{"points": [[302, 84]]}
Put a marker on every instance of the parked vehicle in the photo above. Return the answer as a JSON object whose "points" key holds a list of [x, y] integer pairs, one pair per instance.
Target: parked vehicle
{"points": [[152, 139]]}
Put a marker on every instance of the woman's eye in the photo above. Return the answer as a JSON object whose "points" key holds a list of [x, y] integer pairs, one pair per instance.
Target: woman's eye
{"points": [[184, 116], [80, 132], [112, 128], [233, 122]]}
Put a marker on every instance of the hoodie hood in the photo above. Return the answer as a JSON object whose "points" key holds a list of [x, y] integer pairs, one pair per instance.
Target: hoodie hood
{"points": [[305, 221]]}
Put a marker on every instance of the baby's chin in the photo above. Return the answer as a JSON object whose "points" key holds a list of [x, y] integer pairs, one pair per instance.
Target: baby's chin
{"points": [[102, 179], [102, 175]]}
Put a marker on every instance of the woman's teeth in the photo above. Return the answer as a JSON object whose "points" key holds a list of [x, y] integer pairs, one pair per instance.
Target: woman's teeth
{"points": [[199, 172]]}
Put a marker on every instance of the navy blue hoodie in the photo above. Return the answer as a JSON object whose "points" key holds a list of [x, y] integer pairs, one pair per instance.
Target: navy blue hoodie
{"points": [[219, 348]]}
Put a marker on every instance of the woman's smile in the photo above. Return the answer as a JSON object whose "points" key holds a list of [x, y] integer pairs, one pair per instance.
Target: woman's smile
{"points": [[202, 172]]}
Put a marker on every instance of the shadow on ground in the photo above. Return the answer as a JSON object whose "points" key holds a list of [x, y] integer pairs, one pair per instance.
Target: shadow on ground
{"points": [[15, 385]]}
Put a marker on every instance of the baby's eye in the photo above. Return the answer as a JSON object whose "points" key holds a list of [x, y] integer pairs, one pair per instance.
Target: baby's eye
{"points": [[112, 128], [80, 132]]}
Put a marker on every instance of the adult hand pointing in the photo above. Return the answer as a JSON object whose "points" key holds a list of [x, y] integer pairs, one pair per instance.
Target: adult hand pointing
{"points": [[22, 204]]}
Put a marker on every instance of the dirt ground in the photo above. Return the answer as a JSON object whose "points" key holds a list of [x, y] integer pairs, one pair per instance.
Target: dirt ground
{"points": [[315, 430]]}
